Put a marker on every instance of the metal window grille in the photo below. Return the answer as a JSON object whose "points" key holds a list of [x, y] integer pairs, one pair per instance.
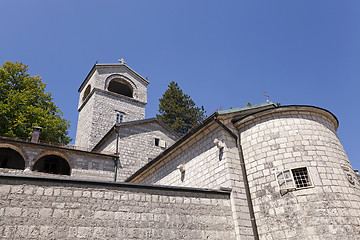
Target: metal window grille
{"points": [[293, 179], [301, 177]]}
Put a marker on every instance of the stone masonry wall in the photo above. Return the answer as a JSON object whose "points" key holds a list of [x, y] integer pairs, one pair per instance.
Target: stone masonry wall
{"points": [[33, 208], [137, 146], [292, 138], [200, 157], [84, 124], [203, 168], [104, 114], [98, 116]]}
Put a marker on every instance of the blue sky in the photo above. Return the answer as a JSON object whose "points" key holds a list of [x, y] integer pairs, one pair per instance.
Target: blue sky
{"points": [[222, 53]]}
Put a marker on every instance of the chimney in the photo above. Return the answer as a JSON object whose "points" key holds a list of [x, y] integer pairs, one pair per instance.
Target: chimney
{"points": [[36, 134]]}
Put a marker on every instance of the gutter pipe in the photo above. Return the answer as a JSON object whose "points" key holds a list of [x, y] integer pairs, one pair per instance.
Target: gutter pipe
{"points": [[243, 171], [117, 153]]}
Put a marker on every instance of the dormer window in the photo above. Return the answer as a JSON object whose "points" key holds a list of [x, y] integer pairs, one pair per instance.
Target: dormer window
{"points": [[121, 87], [119, 117]]}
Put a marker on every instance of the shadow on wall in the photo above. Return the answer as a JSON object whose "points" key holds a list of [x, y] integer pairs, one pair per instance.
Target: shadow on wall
{"points": [[10, 158], [52, 164]]}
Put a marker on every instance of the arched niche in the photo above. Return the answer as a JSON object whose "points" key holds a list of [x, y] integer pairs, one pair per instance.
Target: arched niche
{"points": [[10, 158], [121, 85], [86, 92], [53, 164]]}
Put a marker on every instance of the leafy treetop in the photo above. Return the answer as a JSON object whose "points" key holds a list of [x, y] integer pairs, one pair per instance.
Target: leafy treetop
{"points": [[178, 110], [24, 104]]}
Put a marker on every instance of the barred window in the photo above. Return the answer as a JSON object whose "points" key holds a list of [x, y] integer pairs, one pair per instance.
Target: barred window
{"points": [[293, 179], [301, 177]]}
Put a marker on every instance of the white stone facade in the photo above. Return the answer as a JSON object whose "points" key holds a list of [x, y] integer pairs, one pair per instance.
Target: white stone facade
{"points": [[272, 140], [210, 160], [295, 138], [137, 144], [98, 106]]}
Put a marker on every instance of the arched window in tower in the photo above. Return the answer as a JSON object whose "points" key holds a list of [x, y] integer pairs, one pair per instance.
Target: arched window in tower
{"points": [[87, 92], [52, 164], [120, 87]]}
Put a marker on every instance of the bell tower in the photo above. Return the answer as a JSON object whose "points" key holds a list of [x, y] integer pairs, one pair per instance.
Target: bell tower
{"points": [[111, 93]]}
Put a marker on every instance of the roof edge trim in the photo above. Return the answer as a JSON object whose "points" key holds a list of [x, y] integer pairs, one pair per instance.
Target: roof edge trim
{"points": [[109, 65], [303, 108]]}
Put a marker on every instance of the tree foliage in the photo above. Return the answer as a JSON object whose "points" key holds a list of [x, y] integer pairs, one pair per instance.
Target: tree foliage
{"points": [[24, 104], [178, 110]]}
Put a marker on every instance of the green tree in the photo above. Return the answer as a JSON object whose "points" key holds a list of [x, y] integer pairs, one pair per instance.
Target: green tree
{"points": [[178, 110], [24, 104]]}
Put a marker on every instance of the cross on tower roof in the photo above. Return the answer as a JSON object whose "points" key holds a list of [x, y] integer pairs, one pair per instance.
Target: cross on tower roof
{"points": [[122, 61], [267, 97]]}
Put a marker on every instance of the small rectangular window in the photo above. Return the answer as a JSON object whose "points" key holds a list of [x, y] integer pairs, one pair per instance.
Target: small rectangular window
{"points": [[157, 141], [221, 153], [293, 179], [119, 117]]}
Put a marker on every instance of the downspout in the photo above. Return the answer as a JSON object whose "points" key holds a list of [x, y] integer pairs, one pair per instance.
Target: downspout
{"points": [[245, 179], [117, 153]]}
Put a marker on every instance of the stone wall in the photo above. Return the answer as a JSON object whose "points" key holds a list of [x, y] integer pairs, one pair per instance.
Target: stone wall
{"points": [[39, 208], [84, 124], [290, 138], [206, 166], [104, 114], [137, 145]]}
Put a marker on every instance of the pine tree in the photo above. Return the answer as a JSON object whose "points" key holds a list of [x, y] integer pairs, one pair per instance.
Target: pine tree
{"points": [[24, 104], [178, 110]]}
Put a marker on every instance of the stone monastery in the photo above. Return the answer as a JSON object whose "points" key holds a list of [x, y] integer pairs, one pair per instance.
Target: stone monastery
{"points": [[256, 172]]}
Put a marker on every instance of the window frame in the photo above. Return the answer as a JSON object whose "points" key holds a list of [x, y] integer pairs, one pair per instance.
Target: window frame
{"points": [[119, 116], [291, 179]]}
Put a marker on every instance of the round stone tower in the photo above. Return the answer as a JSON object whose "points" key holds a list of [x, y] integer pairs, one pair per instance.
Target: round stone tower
{"points": [[301, 182]]}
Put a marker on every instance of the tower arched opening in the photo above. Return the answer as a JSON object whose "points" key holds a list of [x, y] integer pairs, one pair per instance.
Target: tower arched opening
{"points": [[52, 164], [120, 87], [10, 158]]}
